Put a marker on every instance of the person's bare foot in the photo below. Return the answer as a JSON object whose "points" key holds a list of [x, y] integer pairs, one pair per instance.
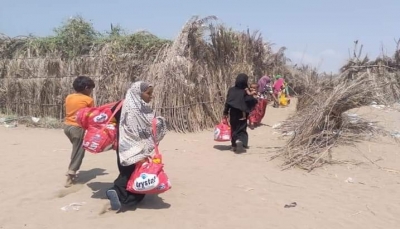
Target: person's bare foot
{"points": [[251, 126], [71, 178]]}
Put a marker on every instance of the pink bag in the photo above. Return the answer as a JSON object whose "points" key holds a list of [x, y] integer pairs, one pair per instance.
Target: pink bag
{"points": [[222, 131], [90, 116], [149, 176], [101, 136]]}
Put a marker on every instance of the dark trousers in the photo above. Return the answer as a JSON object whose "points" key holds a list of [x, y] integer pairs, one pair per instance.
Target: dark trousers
{"points": [[126, 198], [238, 127]]}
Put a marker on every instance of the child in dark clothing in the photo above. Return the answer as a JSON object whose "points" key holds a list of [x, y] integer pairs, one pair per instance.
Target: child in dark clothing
{"points": [[252, 91]]}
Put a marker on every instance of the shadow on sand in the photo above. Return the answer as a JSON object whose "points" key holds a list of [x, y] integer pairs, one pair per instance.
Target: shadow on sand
{"points": [[239, 150], [149, 202], [83, 177], [222, 147], [99, 189], [154, 202], [86, 176]]}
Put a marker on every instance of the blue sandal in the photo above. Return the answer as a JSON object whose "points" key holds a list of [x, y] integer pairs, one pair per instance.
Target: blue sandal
{"points": [[114, 200]]}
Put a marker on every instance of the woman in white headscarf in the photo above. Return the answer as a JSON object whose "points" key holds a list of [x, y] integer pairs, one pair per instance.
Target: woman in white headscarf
{"points": [[135, 141]]}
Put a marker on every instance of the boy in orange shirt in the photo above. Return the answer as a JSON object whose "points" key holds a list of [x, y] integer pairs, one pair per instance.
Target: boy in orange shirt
{"points": [[83, 87]]}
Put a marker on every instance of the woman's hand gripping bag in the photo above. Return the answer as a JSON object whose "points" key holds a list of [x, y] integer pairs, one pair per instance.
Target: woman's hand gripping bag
{"points": [[222, 131], [149, 176]]}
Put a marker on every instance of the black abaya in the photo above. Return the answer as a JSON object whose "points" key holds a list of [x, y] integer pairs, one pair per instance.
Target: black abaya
{"points": [[126, 198], [237, 102], [238, 127]]}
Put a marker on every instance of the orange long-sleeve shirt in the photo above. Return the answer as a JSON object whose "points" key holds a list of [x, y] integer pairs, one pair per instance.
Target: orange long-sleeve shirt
{"points": [[73, 103]]}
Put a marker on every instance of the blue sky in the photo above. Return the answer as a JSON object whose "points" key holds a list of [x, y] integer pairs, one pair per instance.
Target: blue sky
{"points": [[317, 32]]}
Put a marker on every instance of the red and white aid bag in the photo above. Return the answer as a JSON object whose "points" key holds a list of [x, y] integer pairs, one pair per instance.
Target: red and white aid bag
{"points": [[101, 133], [222, 131], [94, 116], [100, 138], [149, 176]]}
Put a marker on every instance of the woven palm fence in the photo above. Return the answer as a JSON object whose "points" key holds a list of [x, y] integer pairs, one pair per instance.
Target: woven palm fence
{"points": [[191, 74]]}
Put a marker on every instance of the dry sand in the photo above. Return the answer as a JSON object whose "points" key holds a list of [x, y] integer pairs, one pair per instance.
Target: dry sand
{"points": [[212, 187]]}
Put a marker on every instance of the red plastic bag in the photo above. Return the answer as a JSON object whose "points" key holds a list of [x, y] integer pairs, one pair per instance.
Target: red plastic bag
{"points": [[149, 176], [100, 135], [100, 138], [258, 113], [222, 131], [90, 116]]}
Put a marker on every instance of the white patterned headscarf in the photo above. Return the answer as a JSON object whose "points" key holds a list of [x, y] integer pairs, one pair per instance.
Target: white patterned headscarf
{"points": [[135, 127]]}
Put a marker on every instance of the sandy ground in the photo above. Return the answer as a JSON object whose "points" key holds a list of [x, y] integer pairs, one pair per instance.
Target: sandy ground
{"points": [[212, 187]]}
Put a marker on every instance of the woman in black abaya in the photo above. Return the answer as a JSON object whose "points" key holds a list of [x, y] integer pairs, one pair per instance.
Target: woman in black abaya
{"points": [[237, 102]]}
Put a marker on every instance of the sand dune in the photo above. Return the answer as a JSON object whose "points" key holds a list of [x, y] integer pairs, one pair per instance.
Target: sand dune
{"points": [[212, 187]]}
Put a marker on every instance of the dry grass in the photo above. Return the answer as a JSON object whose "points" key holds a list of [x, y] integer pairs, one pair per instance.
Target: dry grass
{"points": [[191, 74], [320, 122]]}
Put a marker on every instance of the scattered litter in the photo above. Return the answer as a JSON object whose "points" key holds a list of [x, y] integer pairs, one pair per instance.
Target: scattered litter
{"points": [[290, 133], [374, 103], [337, 132], [353, 118], [378, 106], [35, 119], [349, 180], [357, 213], [396, 134], [13, 121], [73, 206], [291, 205], [352, 115], [11, 124], [276, 126], [249, 189]]}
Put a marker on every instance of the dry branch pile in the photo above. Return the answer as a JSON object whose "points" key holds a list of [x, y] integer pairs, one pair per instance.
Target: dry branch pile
{"points": [[321, 122], [384, 71], [191, 73]]}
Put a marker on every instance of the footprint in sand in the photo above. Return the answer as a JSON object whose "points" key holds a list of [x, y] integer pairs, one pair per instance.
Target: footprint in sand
{"points": [[105, 208], [66, 191]]}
